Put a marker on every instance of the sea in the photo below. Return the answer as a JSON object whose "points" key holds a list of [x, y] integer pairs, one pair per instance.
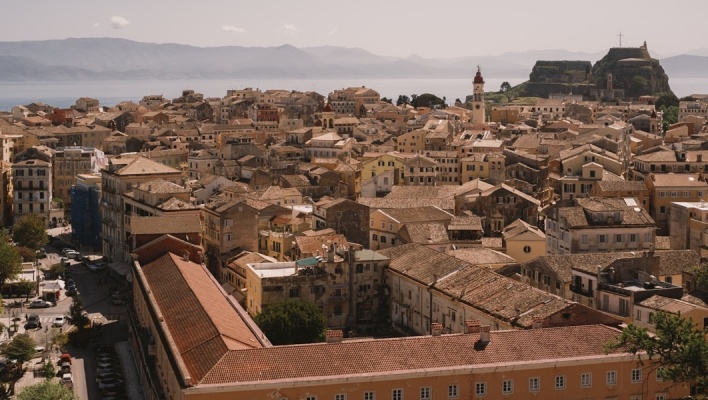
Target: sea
{"points": [[63, 94]]}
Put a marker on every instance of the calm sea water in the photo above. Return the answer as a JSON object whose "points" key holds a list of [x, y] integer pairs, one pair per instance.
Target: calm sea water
{"points": [[109, 93]]}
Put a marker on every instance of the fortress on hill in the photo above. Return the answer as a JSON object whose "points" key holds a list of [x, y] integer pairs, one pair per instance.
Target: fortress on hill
{"points": [[624, 72]]}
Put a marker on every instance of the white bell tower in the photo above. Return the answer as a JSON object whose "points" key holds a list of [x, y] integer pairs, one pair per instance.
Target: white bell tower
{"points": [[478, 109]]}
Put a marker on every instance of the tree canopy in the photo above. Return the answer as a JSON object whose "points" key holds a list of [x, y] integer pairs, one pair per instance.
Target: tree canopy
{"points": [[427, 100], [677, 350], [10, 261], [505, 87], [77, 316], [403, 100], [47, 390], [292, 322], [30, 231], [21, 348]]}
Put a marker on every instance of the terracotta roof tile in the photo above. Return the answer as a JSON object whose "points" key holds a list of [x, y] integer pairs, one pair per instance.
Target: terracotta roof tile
{"points": [[196, 312], [345, 358]]}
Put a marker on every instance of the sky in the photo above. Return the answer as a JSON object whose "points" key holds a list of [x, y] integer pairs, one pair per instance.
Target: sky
{"points": [[430, 29]]}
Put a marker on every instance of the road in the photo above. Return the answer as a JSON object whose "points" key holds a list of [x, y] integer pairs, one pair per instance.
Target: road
{"points": [[96, 299]]}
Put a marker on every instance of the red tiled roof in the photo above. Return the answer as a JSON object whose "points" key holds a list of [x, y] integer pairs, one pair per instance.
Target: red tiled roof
{"points": [[400, 355], [197, 314]]}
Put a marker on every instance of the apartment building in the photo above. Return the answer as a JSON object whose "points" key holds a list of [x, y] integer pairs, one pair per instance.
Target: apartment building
{"points": [[69, 162], [32, 190], [345, 283], [597, 225], [233, 225], [665, 189], [121, 176]]}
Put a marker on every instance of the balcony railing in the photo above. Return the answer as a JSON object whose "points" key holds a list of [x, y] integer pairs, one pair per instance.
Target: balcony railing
{"points": [[583, 292]]}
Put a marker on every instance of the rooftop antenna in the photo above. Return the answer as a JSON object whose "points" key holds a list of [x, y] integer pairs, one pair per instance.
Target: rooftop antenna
{"points": [[620, 36]]}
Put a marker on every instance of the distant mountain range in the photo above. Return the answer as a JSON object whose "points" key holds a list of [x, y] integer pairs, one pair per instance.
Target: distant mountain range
{"points": [[116, 59]]}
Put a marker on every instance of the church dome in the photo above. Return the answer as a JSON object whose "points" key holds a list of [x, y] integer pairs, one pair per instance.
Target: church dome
{"points": [[478, 77]]}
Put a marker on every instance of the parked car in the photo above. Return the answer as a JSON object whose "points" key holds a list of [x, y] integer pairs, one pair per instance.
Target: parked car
{"points": [[65, 368], [99, 266], [67, 380], [59, 321], [33, 322], [67, 250], [65, 357], [40, 304]]}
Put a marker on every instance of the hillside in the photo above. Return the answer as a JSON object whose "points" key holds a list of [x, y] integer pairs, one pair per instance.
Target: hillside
{"points": [[116, 59]]}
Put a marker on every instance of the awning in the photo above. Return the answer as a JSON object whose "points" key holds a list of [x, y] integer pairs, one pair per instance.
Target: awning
{"points": [[121, 268]]}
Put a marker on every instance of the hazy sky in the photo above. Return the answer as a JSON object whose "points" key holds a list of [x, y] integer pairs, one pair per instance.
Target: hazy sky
{"points": [[432, 29]]}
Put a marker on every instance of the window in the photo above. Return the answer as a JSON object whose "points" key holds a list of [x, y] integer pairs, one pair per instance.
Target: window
{"points": [[383, 239], [375, 237], [659, 374], [507, 386], [397, 394], [586, 380], [584, 239], [369, 396], [527, 249], [534, 384], [618, 238], [632, 237], [340, 396], [651, 317], [480, 389], [601, 238], [660, 396], [639, 315], [662, 210], [560, 381], [636, 375], [311, 398], [425, 393]]}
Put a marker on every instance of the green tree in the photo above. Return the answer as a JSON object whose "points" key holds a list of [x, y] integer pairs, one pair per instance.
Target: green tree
{"points": [[27, 254], [677, 350], [48, 370], [10, 262], [292, 322], [505, 87], [21, 348], [30, 231], [387, 100], [47, 390], [77, 316], [666, 99], [403, 100], [60, 340], [700, 272], [428, 100], [24, 287]]}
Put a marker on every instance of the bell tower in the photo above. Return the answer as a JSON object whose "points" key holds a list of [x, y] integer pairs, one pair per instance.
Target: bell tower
{"points": [[478, 109]]}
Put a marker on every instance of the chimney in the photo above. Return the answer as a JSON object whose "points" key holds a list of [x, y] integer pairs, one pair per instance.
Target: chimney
{"points": [[484, 334], [472, 326], [537, 322], [334, 336], [436, 328]]}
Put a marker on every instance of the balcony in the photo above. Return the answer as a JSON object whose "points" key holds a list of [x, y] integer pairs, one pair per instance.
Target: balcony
{"points": [[583, 292]]}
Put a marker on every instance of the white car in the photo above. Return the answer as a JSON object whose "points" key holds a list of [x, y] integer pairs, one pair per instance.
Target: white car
{"points": [[40, 304], [59, 321]]}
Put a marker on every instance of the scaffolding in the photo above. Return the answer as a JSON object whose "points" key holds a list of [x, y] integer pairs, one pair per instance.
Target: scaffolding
{"points": [[85, 216]]}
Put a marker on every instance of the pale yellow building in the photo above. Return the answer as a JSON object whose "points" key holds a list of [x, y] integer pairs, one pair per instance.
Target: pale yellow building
{"points": [[523, 242]]}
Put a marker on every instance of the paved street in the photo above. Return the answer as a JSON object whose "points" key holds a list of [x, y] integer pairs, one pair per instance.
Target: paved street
{"points": [[95, 291]]}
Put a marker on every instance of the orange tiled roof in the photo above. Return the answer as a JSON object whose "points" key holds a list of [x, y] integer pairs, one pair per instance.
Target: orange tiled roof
{"points": [[202, 322], [401, 355]]}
